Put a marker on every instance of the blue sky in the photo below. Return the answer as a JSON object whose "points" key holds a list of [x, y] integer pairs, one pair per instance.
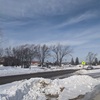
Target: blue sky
{"points": [[69, 22]]}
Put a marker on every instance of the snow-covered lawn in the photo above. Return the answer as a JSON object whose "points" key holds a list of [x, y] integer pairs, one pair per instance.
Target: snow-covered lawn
{"points": [[43, 89], [8, 71], [88, 71], [96, 69]]}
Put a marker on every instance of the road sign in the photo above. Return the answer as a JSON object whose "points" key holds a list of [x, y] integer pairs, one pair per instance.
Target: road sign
{"points": [[83, 63]]}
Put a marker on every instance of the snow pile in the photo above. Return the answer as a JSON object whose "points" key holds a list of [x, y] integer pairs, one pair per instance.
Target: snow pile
{"points": [[77, 85], [43, 89], [83, 71]]}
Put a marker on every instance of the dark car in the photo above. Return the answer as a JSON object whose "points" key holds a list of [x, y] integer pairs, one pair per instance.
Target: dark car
{"points": [[89, 68]]}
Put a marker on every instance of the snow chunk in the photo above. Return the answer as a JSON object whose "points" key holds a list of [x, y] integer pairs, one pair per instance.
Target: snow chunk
{"points": [[42, 89]]}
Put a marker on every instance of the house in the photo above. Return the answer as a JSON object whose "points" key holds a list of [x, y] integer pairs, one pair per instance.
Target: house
{"points": [[35, 63]]}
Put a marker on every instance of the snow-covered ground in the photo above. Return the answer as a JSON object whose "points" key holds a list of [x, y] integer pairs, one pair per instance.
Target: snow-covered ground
{"points": [[8, 71], [43, 89], [88, 71], [96, 69]]}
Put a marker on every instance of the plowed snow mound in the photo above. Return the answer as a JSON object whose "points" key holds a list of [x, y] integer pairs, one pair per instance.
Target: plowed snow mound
{"points": [[41, 89]]}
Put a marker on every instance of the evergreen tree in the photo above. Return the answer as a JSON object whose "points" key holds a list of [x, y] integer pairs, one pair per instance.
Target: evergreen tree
{"points": [[76, 61], [99, 62], [96, 61], [72, 61]]}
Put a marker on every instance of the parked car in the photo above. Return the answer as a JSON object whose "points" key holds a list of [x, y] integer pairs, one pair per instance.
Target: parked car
{"points": [[89, 68]]}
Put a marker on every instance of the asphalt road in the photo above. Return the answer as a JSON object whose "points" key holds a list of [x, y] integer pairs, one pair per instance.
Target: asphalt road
{"points": [[9, 79]]}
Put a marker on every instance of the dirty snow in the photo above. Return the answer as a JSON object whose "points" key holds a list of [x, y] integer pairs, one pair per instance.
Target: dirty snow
{"points": [[42, 89]]}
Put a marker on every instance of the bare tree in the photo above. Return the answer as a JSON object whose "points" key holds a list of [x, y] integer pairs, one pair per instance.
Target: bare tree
{"points": [[8, 52], [90, 58], [1, 52], [31, 52], [8, 58], [1, 36], [43, 52], [25, 53], [1, 49], [1, 56], [20, 55], [60, 51]]}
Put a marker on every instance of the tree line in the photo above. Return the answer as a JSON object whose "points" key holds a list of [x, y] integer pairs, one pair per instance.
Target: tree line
{"points": [[91, 59], [23, 55], [76, 62]]}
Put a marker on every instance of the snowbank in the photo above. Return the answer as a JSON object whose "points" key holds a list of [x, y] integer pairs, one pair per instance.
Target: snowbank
{"points": [[43, 89]]}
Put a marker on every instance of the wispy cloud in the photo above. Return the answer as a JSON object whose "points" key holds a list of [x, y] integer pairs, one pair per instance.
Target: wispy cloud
{"points": [[14, 43], [72, 38], [77, 19], [14, 13], [82, 38], [64, 42], [35, 8], [89, 34]]}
